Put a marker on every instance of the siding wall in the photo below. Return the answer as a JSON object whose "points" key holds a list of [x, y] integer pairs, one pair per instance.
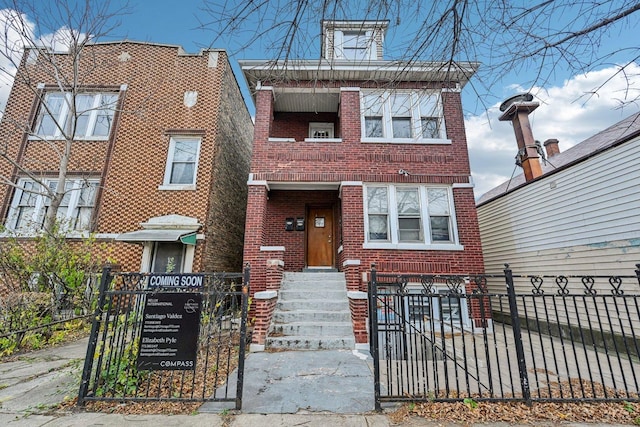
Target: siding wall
{"points": [[582, 220]]}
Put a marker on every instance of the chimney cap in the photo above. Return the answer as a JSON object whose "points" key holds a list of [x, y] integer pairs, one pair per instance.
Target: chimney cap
{"points": [[523, 97]]}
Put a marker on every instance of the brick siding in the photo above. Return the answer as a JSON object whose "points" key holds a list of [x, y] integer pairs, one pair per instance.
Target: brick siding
{"points": [[132, 162]]}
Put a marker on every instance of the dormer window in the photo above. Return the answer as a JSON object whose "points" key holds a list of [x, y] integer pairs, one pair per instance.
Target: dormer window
{"points": [[355, 45], [353, 40]]}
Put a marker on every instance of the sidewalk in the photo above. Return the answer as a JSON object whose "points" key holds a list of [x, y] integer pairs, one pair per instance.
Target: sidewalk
{"points": [[37, 382]]}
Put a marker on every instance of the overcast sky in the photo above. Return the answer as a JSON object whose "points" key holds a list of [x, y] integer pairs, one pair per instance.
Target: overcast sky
{"points": [[565, 112]]}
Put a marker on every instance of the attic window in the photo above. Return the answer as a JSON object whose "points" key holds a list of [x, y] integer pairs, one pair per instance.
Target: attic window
{"points": [[320, 130]]}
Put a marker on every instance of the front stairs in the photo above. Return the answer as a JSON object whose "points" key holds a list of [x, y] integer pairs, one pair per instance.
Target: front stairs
{"points": [[312, 313]]}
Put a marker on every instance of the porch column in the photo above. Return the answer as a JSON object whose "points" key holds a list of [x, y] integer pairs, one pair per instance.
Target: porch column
{"points": [[254, 235]]}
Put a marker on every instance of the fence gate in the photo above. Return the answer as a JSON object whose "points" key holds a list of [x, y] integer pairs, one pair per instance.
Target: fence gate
{"points": [[539, 339], [167, 337]]}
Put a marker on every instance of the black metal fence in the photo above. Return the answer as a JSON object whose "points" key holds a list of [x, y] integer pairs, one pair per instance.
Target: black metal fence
{"points": [[542, 339], [175, 337], [27, 313]]}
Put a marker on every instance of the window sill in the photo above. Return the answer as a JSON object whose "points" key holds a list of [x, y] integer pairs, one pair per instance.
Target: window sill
{"points": [[282, 139], [177, 187], [323, 140], [414, 246], [61, 138], [439, 141]]}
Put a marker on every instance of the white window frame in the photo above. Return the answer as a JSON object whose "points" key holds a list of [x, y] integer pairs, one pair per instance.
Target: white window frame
{"points": [[321, 127], [393, 241], [72, 202], [167, 184], [343, 48], [63, 116], [417, 290], [384, 101]]}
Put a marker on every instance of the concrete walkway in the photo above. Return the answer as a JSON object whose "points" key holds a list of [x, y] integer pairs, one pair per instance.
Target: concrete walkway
{"points": [[336, 381]]}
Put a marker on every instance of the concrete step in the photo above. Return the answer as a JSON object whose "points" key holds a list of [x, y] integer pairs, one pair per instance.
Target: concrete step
{"points": [[311, 343], [313, 278], [312, 304], [311, 316], [314, 294], [312, 329]]}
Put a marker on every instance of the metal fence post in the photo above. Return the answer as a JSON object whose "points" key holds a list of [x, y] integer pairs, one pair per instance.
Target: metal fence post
{"points": [[517, 335], [373, 330], [105, 280], [243, 335]]}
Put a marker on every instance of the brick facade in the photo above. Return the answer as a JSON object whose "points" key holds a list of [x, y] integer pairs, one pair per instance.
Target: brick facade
{"points": [[290, 175], [151, 82]]}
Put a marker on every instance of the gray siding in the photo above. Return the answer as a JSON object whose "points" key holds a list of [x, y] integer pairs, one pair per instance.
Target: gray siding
{"points": [[582, 220]]}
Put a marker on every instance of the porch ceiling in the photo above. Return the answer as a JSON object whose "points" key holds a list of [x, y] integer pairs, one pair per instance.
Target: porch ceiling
{"points": [[316, 101]]}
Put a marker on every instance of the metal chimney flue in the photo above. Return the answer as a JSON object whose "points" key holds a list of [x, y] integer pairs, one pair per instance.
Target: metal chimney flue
{"points": [[517, 109]]}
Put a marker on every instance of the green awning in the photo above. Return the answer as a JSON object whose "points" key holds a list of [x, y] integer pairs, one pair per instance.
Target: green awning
{"points": [[187, 237]]}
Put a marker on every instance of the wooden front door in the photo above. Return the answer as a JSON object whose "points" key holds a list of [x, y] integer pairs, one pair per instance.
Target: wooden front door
{"points": [[320, 237]]}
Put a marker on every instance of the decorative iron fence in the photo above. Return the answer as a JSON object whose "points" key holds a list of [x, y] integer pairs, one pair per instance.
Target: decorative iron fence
{"points": [[168, 337], [557, 339]]}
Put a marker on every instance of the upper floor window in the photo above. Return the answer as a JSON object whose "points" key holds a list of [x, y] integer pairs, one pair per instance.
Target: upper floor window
{"points": [[409, 217], [408, 116], [31, 202], [93, 117], [182, 164], [321, 130], [354, 45]]}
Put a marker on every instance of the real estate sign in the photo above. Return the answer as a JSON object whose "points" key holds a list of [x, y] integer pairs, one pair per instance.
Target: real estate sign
{"points": [[170, 326]]}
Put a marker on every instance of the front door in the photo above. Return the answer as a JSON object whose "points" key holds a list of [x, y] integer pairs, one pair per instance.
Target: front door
{"points": [[320, 237]]}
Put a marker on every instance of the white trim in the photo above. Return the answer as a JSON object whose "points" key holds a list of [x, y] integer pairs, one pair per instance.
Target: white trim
{"points": [[420, 141], [166, 184], [358, 295], [177, 187], [323, 140], [281, 139], [351, 262], [260, 87], [464, 185], [392, 240], [276, 262], [349, 89], [265, 295], [351, 184], [380, 104], [413, 247], [261, 183], [456, 89], [272, 248]]}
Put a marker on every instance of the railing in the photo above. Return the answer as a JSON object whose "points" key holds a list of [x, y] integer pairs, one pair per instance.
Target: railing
{"points": [[168, 338], [542, 338]]}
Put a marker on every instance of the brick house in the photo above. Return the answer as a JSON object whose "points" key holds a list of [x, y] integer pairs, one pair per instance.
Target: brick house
{"points": [[159, 163], [357, 161]]}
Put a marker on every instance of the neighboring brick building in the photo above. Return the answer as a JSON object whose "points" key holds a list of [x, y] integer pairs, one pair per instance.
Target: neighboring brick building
{"points": [[359, 160], [160, 167]]}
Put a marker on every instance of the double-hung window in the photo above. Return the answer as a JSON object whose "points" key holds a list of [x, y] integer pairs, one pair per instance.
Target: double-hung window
{"points": [[85, 116], [182, 164], [409, 217], [402, 117], [31, 202]]}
